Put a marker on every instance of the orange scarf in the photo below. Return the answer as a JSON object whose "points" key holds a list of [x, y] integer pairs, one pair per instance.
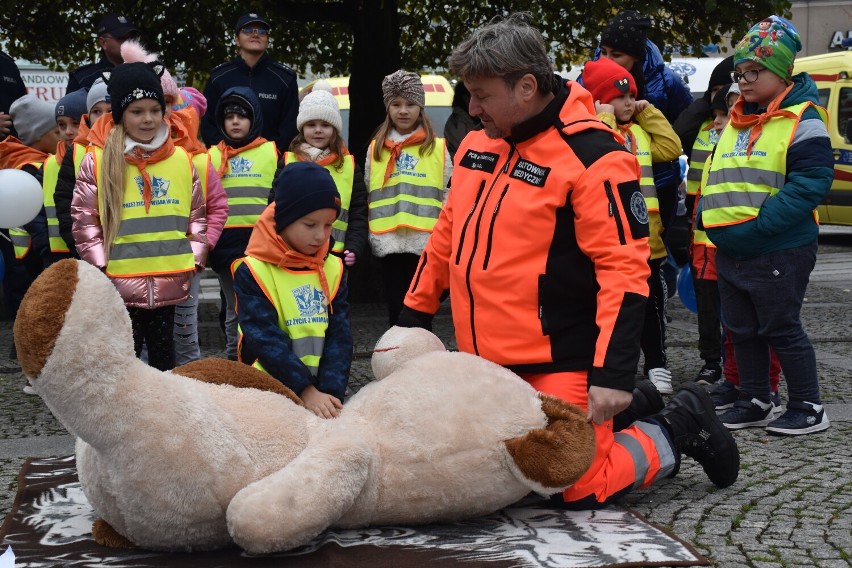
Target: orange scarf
{"points": [[14, 154], [265, 244], [228, 152], [180, 124], [137, 159], [756, 121], [628, 136], [416, 138]]}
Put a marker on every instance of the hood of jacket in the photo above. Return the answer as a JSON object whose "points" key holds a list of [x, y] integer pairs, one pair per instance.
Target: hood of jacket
{"points": [[248, 97], [14, 154]]}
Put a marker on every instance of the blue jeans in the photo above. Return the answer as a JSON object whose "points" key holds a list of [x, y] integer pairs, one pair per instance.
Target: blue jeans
{"points": [[761, 304]]}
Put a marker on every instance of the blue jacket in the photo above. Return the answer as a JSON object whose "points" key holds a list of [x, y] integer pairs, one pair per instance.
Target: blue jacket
{"points": [[276, 87], [785, 220]]}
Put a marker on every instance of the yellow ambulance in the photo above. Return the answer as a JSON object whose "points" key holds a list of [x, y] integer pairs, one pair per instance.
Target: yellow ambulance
{"points": [[439, 100], [832, 73]]}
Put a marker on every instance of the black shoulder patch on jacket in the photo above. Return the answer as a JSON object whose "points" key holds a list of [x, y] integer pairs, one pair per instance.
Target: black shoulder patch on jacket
{"points": [[635, 208], [590, 145]]}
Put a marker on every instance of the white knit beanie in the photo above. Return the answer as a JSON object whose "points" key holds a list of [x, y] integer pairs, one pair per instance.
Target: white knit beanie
{"points": [[320, 104], [32, 118]]}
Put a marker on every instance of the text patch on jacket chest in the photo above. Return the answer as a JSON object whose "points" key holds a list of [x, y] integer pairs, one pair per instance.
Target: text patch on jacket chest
{"points": [[482, 161], [530, 172]]}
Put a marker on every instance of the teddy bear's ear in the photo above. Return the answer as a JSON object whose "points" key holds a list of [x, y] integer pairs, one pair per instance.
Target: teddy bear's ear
{"points": [[552, 462]]}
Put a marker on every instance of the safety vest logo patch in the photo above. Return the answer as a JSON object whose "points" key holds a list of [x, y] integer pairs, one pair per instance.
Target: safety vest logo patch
{"points": [[240, 165], [406, 162], [531, 173], [159, 186], [742, 140], [309, 300], [483, 161]]}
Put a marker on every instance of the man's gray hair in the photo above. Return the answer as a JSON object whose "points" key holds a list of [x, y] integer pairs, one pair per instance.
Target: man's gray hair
{"points": [[507, 48]]}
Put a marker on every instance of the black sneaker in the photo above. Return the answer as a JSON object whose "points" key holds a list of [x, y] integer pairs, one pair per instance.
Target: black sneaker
{"points": [[697, 432], [709, 374], [724, 394], [800, 418], [747, 414]]}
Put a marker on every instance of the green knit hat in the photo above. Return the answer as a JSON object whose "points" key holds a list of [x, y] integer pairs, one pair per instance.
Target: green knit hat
{"points": [[773, 42]]}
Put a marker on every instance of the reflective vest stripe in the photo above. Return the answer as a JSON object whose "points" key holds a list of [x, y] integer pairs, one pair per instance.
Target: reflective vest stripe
{"points": [[640, 460], [665, 452], [737, 184], [130, 251], [746, 176], [643, 156], [153, 242], [201, 161], [301, 307], [413, 196], [700, 237], [247, 185], [146, 225]]}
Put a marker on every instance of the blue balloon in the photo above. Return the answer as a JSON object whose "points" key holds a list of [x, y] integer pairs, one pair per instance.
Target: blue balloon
{"points": [[686, 289]]}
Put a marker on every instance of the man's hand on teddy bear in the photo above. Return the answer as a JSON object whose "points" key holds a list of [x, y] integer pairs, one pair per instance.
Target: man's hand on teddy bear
{"points": [[322, 404]]}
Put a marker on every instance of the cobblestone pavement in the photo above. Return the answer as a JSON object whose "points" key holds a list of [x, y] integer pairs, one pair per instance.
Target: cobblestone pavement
{"points": [[792, 505]]}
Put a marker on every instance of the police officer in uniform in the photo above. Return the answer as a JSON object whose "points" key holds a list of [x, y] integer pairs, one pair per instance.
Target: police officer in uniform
{"points": [[274, 83], [13, 89], [113, 30]]}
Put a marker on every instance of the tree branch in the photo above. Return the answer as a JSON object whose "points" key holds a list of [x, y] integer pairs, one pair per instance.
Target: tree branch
{"points": [[339, 12]]}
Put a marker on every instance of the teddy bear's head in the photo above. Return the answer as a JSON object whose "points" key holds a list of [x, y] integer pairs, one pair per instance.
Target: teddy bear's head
{"points": [[400, 345]]}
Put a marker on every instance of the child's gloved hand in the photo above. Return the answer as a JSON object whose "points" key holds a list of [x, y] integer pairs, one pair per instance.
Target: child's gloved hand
{"points": [[349, 258]]}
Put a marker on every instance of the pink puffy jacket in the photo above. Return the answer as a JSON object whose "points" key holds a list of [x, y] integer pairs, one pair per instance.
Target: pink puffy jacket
{"points": [[138, 291]]}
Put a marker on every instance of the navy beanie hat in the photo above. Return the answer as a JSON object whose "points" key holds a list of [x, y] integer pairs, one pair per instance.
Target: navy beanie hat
{"points": [[627, 32], [73, 104], [302, 188]]}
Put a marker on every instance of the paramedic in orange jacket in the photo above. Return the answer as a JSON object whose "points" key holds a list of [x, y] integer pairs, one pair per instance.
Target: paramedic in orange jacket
{"points": [[543, 244]]}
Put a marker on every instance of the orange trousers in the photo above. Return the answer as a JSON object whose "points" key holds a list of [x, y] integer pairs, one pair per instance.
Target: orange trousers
{"points": [[632, 458]]}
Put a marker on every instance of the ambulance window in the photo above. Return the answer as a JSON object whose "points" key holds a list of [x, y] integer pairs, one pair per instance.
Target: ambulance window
{"points": [[823, 98], [844, 112]]}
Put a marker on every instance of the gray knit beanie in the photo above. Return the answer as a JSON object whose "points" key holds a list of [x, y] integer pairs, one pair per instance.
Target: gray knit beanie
{"points": [[97, 94], [403, 84], [32, 117]]}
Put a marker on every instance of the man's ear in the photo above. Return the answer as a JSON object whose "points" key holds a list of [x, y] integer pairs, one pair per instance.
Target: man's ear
{"points": [[528, 86], [101, 42]]}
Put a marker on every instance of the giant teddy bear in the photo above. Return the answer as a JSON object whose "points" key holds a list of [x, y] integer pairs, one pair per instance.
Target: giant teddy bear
{"points": [[175, 463]]}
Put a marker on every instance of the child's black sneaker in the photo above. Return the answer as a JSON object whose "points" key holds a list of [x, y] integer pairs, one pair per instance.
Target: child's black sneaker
{"points": [[800, 418], [748, 414], [709, 374]]}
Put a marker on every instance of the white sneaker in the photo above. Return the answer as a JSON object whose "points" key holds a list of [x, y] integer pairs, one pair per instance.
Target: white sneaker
{"points": [[28, 388], [662, 379]]}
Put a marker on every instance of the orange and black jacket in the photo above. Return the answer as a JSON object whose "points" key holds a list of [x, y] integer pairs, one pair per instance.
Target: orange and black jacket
{"points": [[543, 244]]}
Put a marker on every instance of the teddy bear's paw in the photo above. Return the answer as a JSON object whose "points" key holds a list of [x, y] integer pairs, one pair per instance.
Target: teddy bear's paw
{"points": [[105, 535], [552, 458]]}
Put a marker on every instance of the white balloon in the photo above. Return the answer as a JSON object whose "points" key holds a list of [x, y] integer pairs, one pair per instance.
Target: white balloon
{"points": [[21, 198]]}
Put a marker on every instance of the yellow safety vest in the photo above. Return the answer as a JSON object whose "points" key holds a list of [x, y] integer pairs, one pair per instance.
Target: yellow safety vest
{"points": [[247, 181], [700, 237], [649, 190], [51, 177], [413, 195], [152, 243], [21, 240], [737, 185], [701, 150], [300, 303], [343, 179], [201, 161]]}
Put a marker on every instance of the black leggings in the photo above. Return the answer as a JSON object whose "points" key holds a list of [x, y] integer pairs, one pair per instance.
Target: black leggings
{"points": [[155, 328], [397, 272]]}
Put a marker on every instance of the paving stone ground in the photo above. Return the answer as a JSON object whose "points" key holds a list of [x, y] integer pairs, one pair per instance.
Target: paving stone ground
{"points": [[792, 504]]}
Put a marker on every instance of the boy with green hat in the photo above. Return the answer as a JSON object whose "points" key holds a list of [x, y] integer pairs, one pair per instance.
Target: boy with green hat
{"points": [[772, 166]]}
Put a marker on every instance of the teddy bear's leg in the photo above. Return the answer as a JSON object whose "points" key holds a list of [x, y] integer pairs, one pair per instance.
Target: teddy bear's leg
{"points": [[105, 535], [552, 458], [291, 506]]}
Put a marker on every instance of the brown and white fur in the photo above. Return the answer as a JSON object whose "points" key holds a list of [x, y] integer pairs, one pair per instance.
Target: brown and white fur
{"points": [[173, 463]]}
